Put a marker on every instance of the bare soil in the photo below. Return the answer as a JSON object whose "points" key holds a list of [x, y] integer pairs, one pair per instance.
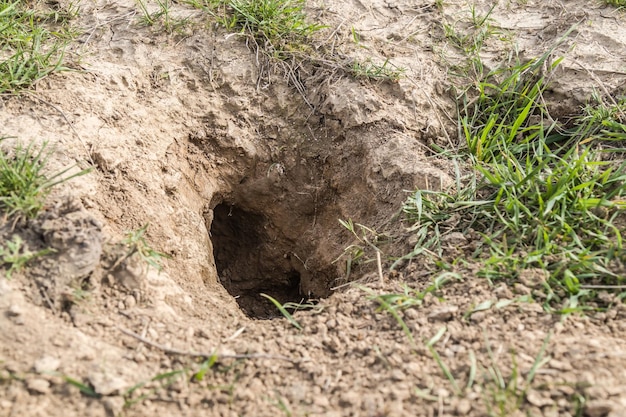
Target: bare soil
{"points": [[242, 180]]}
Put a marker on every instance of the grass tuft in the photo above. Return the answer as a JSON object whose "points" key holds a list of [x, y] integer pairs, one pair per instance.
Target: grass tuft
{"points": [[24, 184], [15, 254], [162, 15], [542, 194], [276, 23], [283, 311], [377, 72], [32, 43], [136, 243]]}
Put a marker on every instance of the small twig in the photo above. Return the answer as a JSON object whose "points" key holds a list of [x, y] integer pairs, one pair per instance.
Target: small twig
{"points": [[236, 334], [380, 266], [336, 30], [47, 298], [203, 354]]}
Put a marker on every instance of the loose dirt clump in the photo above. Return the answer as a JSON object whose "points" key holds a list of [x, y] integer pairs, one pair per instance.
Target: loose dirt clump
{"points": [[240, 180]]}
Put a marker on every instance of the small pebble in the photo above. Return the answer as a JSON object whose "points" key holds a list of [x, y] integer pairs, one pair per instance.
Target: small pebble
{"points": [[398, 375], [14, 311], [114, 405], [38, 386], [443, 313], [130, 302], [598, 408], [463, 407], [536, 399], [46, 364]]}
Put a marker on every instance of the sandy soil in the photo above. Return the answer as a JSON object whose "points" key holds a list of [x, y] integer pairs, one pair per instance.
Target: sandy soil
{"points": [[242, 180]]}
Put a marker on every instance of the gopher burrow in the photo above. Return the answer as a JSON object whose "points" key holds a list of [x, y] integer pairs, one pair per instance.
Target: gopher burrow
{"points": [[281, 189]]}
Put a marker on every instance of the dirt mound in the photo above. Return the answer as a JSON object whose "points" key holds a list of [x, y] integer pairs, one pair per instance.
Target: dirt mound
{"points": [[242, 179]]}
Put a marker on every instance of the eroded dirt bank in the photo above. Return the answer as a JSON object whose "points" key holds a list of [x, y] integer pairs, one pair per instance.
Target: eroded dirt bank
{"points": [[242, 182]]}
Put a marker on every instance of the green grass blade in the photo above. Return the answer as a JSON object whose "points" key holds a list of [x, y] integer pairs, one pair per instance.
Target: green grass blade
{"points": [[283, 311]]}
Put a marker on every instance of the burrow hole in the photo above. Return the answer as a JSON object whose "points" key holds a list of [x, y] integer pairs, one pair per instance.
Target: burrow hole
{"points": [[251, 259]]}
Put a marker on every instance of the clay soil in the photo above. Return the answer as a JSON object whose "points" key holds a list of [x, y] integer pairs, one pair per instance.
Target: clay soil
{"points": [[242, 171]]}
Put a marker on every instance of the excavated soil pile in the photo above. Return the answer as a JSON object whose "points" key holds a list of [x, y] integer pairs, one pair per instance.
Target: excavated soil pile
{"points": [[242, 180]]}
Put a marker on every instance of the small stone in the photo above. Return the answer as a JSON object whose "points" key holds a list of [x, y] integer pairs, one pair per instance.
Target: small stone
{"points": [[560, 365], [321, 401], [413, 368], [463, 407], [558, 328], [223, 398], [113, 405], [245, 394], [130, 302], [398, 375], [533, 277], [536, 399], [139, 357], [443, 313], [598, 408], [478, 316], [177, 386], [551, 412], [346, 308], [522, 289], [14, 311], [153, 334], [106, 384], [46, 364], [411, 314], [6, 404], [454, 239], [503, 291], [38, 386], [442, 393], [350, 399], [321, 329]]}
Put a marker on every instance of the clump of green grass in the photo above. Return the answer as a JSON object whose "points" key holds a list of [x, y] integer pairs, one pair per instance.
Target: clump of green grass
{"points": [[32, 43], [618, 3], [542, 196], [367, 240], [470, 34], [16, 255], [163, 14], [278, 27], [283, 310], [280, 24], [24, 184], [136, 244], [378, 72], [281, 32]]}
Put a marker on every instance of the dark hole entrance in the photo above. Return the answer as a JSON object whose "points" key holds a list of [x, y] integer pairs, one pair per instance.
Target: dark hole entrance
{"points": [[251, 260]]}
